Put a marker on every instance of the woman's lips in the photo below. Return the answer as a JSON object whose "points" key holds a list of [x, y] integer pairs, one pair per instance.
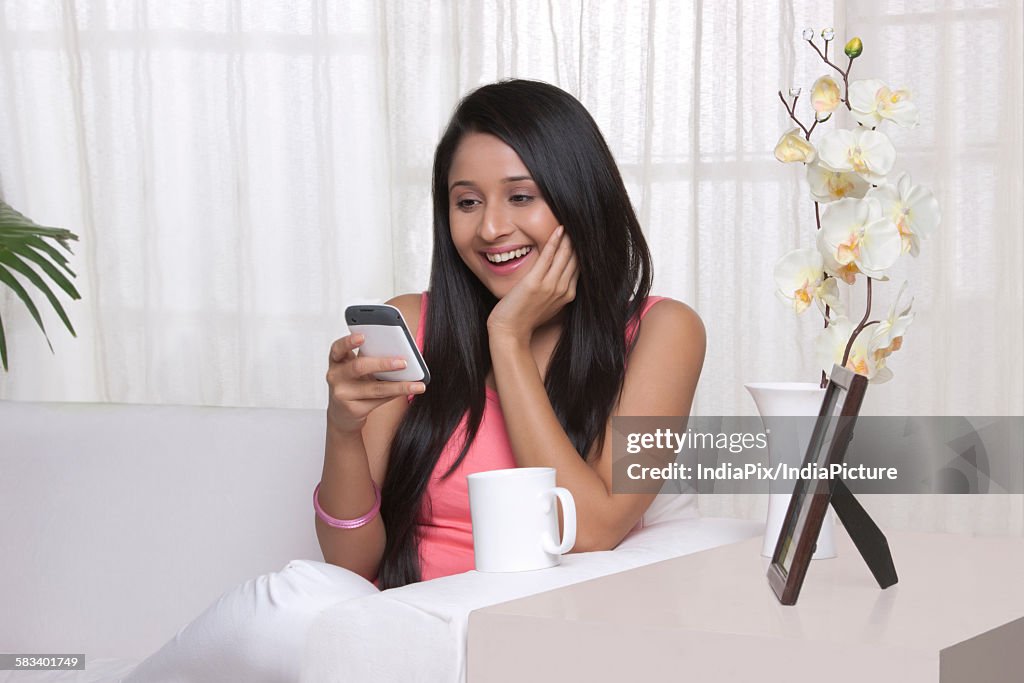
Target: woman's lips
{"points": [[506, 267]]}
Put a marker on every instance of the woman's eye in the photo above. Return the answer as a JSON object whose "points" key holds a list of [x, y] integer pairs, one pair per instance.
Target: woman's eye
{"points": [[521, 198], [465, 203]]}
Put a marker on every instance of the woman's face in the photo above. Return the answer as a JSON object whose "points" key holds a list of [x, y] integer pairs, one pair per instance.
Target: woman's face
{"points": [[499, 221]]}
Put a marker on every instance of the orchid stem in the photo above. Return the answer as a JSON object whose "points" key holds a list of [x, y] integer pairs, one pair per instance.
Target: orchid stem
{"points": [[824, 377], [863, 323], [790, 110]]}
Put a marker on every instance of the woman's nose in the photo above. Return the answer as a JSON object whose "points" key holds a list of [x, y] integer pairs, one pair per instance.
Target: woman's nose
{"points": [[494, 224]]}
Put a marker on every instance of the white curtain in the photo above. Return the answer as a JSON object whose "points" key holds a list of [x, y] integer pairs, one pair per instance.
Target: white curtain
{"points": [[239, 171]]}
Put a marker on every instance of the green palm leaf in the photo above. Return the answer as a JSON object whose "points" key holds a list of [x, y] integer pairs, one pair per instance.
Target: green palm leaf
{"points": [[26, 251], [8, 279], [3, 345], [39, 245], [23, 241], [9, 258]]}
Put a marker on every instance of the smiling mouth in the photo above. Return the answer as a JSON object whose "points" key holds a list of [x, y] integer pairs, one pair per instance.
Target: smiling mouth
{"points": [[503, 257]]}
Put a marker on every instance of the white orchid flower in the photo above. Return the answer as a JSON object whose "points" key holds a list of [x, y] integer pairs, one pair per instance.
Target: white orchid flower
{"points": [[864, 358], [855, 233], [825, 95], [912, 208], [871, 101], [792, 146], [846, 272], [828, 185], [800, 277], [867, 153], [888, 334]]}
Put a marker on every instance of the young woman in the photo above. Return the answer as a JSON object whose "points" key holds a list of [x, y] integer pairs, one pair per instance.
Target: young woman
{"points": [[530, 357], [531, 329]]}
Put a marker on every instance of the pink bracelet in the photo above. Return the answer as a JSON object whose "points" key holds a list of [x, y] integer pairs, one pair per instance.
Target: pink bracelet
{"points": [[346, 523]]}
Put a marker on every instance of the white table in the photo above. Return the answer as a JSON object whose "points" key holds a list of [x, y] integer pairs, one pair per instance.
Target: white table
{"points": [[957, 614]]}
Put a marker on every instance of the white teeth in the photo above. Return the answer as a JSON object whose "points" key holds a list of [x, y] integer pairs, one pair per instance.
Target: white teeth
{"points": [[501, 258]]}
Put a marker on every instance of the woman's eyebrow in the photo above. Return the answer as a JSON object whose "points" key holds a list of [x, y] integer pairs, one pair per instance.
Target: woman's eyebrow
{"points": [[470, 183]]}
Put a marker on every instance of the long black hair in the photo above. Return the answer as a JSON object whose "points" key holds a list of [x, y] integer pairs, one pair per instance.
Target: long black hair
{"points": [[569, 160]]}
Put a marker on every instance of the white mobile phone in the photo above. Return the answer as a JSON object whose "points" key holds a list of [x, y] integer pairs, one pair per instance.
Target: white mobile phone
{"points": [[387, 336]]}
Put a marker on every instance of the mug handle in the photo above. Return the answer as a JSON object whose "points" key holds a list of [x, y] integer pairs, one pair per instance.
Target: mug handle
{"points": [[568, 523]]}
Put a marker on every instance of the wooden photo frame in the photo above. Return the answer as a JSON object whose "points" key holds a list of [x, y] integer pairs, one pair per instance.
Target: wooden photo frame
{"points": [[832, 434]]}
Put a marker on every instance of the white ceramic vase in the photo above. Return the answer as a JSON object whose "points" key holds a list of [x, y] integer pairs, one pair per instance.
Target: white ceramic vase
{"points": [[775, 402]]}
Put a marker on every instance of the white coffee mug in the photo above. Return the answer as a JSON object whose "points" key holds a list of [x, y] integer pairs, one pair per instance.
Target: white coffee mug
{"points": [[515, 519]]}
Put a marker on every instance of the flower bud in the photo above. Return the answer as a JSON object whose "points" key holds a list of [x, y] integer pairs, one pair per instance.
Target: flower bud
{"points": [[794, 147], [825, 95], [854, 48]]}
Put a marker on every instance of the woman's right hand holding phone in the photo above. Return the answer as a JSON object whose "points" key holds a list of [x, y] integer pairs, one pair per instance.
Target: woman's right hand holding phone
{"points": [[354, 391]]}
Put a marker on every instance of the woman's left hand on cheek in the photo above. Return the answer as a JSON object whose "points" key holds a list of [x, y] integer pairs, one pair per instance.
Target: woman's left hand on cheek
{"points": [[541, 294]]}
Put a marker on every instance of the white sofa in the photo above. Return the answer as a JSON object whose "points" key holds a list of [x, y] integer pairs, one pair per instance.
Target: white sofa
{"points": [[120, 523]]}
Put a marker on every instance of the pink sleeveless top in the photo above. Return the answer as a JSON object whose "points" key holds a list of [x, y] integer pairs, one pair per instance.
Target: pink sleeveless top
{"points": [[446, 536]]}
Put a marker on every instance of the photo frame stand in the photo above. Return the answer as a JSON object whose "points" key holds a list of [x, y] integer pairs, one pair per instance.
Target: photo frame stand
{"points": [[865, 534]]}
